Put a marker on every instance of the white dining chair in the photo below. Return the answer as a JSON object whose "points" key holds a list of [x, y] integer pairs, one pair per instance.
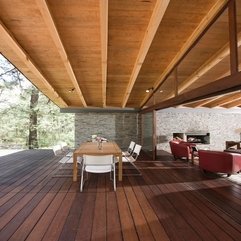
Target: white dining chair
{"points": [[97, 164], [130, 149], [131, 159], [57, 150], [64, 146]]}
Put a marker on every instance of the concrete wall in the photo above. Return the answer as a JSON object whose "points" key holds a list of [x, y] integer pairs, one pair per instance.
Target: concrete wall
{"points": [[121, 127], [223, 125]]}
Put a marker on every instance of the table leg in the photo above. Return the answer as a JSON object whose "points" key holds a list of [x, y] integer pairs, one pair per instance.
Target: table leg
{"points": [[192, 156], [75, 168], [120, 167]]}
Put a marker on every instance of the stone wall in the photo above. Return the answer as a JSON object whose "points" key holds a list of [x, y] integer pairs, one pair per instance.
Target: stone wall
{"points": [[223, 125], [147, 132], [121, 127]]}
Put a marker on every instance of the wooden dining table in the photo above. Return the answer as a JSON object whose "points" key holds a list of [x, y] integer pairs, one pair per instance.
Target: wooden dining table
{"points": [[91, 148]]}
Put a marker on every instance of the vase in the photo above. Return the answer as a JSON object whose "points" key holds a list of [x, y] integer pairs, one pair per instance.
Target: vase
{"points": [[99, 145]]}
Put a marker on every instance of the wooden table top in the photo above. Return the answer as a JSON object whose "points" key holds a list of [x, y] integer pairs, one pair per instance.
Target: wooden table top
{"points": [[91, 148]]}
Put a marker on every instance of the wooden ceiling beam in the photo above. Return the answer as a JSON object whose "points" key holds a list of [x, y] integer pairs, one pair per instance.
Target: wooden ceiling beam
{"points": [[233, 44], [209, 64], [203, 102], [203, 69], [232, 104], [224, 100], [104, 45], [155, 20], [218, 6], [233, 36], [222, 86], [25, 58], [47, 16]]}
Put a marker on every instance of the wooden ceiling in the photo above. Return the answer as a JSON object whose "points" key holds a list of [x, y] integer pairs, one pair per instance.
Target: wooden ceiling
{"points": [[91, 53]]}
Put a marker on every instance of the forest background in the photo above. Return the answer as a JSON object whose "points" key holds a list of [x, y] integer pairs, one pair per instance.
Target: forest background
{"points": [[28, 119]]}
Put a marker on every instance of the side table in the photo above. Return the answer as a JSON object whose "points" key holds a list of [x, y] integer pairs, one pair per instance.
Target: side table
{"points": [[194, 153]]}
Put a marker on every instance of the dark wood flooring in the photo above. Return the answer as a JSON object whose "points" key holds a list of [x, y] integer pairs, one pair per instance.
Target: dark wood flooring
{"points": [[172, 200]]}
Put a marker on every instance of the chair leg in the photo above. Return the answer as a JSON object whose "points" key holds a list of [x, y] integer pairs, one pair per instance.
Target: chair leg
{"points": [[139, 173], [82, 178], [114, 179]]}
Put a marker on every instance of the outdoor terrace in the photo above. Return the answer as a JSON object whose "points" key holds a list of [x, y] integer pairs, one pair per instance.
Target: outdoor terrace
{"points": [[172, 200]]}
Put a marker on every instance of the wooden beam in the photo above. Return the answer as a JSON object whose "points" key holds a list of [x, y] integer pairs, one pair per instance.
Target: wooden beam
{"points": [[154, 136], [176, 90], [232, 104], [104, 45], [224, 100], [233, 37], [209, 64], [155, 20], [203, 69], [47, 16], [203, 102], [25, 58], [206, 21], [218, 87]]}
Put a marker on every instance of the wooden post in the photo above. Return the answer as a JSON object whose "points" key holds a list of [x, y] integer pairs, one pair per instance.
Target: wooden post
{"points": [[233, 37], [154, 135], [176, 81]]}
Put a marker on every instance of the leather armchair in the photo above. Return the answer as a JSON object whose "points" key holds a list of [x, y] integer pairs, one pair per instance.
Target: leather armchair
{"points": [[219, 161], [180, 149]]}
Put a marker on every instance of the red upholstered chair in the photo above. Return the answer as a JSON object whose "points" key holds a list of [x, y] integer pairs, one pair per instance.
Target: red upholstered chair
{"points": [[218, 161], [180, 149]]}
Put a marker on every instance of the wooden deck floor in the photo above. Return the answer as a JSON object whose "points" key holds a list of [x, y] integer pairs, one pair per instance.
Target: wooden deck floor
{"points": [[170, 201]]}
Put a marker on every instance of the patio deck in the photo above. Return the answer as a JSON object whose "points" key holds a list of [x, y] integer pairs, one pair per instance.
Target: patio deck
{"points": [[170, 201]]}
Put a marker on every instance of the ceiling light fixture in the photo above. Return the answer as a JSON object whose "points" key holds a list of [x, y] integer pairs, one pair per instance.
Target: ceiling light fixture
{"points": [[71, 90], [149, 90]]}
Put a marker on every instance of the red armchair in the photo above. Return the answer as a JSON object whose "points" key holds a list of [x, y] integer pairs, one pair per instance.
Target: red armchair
{"points": [[181, 149], [218, 161]]}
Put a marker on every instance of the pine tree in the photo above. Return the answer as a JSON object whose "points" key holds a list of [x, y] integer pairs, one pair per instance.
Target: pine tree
{"points": [[29, 119]]}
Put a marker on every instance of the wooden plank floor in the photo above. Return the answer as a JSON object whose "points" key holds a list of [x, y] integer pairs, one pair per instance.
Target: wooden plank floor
{"points": [[172, 200]]}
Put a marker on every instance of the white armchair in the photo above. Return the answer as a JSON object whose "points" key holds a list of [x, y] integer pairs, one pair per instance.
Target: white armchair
{"points": [[97, 164]]}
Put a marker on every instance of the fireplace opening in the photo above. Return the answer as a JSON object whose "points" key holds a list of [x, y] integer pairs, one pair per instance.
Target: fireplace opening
{"points": [[198, 138]]}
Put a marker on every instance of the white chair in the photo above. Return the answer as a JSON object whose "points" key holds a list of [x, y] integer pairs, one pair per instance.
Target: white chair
{"points": [[63, 150], [130, 149], [66, 149], [132, 158], [93, 138], [64, 146], [97, 164], [57, 150]]}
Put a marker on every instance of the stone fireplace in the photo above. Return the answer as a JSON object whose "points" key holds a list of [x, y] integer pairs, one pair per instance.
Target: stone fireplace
{"points": [[222, 125], [198, 138]]}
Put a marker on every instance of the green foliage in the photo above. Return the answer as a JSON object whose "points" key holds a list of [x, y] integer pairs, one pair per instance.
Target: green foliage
{"points": [[15, 93]]}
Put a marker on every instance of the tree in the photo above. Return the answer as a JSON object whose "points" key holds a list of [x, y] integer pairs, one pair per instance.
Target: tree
{"points": [[29, 119], [33, 119]]}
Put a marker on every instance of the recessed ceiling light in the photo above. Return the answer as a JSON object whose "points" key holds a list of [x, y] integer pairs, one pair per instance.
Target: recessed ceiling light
{"points": [[71, 90], [149, 90], [161, 91]]}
